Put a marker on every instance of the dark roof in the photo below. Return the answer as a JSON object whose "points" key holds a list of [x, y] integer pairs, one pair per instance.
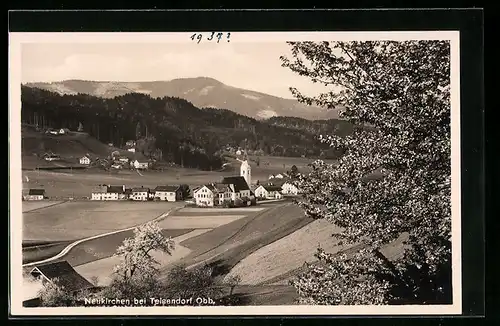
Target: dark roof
{"points": [[167, 188], [272, 187], [140, 189], [276, 181], [66, 275], [115, 189], [37, 192], [239, 183], [128, 191], [217, 187]]}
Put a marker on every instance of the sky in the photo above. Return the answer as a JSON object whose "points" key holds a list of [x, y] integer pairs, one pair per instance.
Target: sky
{"points": [[253, 66]]}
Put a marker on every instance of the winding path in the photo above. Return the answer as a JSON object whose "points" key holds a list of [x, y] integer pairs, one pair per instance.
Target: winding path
{"points": [[74, 244]]}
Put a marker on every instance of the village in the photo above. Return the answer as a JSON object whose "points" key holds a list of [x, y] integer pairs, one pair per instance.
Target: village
{"points": [[231, 191]]}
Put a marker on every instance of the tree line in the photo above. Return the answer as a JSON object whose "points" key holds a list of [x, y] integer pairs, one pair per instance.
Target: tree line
{"points": [[185, 134]]}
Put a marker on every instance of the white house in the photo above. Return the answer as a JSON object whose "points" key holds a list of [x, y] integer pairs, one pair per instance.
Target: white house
{"points": [[212, 194], [168, 193], [268, 192], [140, 165], [52, 157], [271, 176], [278, 176], [131, 150], [140, 194], [99, 192], [204, 196], [63, 131], [238, 186], [289, 188], [85, 160], [108, 192], [35, 194], [123, 159]]}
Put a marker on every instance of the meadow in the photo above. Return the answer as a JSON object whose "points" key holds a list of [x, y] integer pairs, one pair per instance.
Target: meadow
{"points": [[73, 220]]}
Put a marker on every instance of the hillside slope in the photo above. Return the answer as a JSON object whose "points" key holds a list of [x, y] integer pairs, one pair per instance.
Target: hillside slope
{"points": [[201, 91], [70, 147]]}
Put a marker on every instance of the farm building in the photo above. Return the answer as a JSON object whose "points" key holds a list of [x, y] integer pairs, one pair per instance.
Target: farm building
{"points": [[212, 194], [271, 176], [140, 165], [168, 193], [279, 176], [131, 150], [140, 194], [85, 160], [62, 274], [269, 192], [123, 159], [35, 194], [130, 143], [289, 188]]}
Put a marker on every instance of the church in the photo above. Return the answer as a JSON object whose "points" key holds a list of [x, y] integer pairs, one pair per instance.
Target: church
{"points": [[229, 189]]}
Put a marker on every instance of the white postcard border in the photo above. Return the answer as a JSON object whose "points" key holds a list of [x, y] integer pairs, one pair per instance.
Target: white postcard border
{"points": [[15, 175]]}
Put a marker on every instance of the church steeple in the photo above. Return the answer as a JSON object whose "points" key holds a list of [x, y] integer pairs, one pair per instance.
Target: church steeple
{"points": [[246, 171]]}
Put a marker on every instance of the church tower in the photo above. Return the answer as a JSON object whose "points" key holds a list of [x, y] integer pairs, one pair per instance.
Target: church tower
{"points": [[246, 172]]}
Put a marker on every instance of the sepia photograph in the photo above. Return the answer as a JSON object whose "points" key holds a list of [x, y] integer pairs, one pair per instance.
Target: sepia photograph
{"points": [[244, 173]]}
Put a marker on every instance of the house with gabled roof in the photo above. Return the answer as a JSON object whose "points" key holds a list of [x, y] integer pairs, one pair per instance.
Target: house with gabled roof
{"points": [[212, 194], [238, 185], [268, 192], [62, 274], [140, 164], [140, 193], [35, 194], [108, 192], [168, 193], [85, 160], [290, 188]]}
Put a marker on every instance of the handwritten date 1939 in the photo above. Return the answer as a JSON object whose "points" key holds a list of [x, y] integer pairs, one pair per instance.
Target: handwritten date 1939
{"points": [[213, 36]]}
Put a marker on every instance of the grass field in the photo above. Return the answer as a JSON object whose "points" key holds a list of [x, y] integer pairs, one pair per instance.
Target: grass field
{"points": [[77, 220], [94, 257], [285, 258], [287, 253], [226, 245], [33, 205]]}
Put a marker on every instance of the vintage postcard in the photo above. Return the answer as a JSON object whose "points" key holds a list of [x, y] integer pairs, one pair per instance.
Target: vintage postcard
{"points": [[218, 173]]}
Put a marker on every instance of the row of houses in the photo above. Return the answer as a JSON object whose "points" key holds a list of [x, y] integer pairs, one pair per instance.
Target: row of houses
{"points": [[163, 193], [119, 162]]}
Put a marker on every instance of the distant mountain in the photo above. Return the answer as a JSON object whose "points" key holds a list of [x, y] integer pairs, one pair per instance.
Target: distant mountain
{"points": [[203, 92]]}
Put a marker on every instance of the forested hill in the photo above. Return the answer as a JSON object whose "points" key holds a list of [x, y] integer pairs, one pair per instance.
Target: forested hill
{"points": [[184, 133]]}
